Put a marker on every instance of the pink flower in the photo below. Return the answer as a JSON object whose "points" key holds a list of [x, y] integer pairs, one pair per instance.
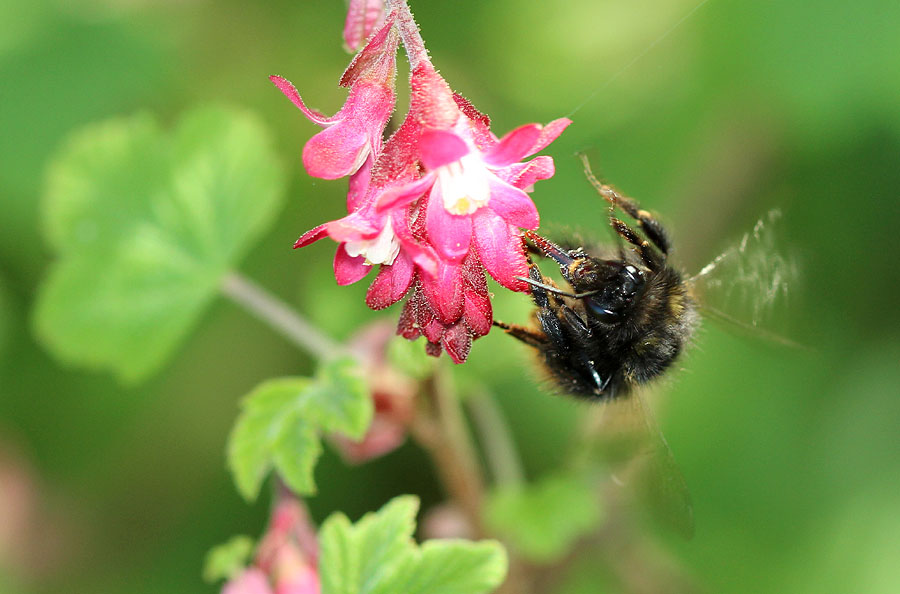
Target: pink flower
{"points": [[250, 581], [450, 309], [354, 134], [287, 555], [437, 204], [362, 17], [372, 235], [475, 197]]}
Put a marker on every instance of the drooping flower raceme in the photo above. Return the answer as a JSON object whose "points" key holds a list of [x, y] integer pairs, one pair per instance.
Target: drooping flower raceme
{"points": [[436, 205], [287, 556]]}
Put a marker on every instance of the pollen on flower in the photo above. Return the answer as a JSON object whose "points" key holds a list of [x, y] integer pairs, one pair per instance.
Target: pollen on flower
{"points": [[464, 186], [383, 249]]}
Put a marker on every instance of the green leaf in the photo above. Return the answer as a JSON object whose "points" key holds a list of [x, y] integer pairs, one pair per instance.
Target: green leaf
{"points": [[450, 567], [226, 560], [295, 452], [378, 556], [343, 397], [355, 558], [542, 521], [281, 420], [146, 225], [266, 411]]}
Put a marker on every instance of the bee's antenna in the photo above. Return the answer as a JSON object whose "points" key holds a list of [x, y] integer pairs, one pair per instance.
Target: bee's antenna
{"points": [[555, 290]]}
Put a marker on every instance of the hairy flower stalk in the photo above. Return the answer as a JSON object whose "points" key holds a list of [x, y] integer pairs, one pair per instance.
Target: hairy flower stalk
{"points": [[436, 205]]}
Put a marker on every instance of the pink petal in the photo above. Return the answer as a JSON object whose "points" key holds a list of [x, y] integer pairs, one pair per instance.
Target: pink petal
{"points": [[481, 120], [359, 184], [500, 249], [513, 205], [444, 292], [514, 146], [362, 224], [311, 236], [439, 147], [422, 254], [477, 310], [478, 313], [285, 86], [251, 581], [422, 312], [473, 274], [450, 234], [334, 152], [401, 195], [479, 124], [523, 175], [348, 269], [362, 18], [431, 101], [300, 581], [406, 325], [370, 103], [457, 342], [383, 437], [391, 283], [549, 133], [433, 331], [432, 349]]}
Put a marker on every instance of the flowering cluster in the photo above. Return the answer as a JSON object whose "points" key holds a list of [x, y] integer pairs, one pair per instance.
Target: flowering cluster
{"points": [[287, 556], [438, 203]]}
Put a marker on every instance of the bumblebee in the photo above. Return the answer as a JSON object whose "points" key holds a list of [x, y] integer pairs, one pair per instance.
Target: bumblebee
{"points": [[626, 315]]}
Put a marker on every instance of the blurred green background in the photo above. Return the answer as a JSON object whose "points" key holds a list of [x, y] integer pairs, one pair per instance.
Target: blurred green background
{"points": [[792, 457]]}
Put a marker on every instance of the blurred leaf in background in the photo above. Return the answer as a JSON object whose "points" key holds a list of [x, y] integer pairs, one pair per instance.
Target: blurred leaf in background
{"points": [[146, 227], [228, 559], [61, 68], [544, 520], [6, 320]]}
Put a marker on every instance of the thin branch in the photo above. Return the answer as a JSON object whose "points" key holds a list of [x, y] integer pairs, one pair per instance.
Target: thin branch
{"points": [[279, 316], [496, 438], [439, 427]]}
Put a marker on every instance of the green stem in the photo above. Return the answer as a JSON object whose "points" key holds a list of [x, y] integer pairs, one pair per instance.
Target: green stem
{"points": [[279, 316], [496, 438], [440, 428]]}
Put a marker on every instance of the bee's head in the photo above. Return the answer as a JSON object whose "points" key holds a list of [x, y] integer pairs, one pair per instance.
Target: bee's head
{"points": [[615, 286]]}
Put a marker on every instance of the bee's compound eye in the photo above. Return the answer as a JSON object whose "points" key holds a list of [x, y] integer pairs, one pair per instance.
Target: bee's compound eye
{"points": [[602, 310], [617, 295]]}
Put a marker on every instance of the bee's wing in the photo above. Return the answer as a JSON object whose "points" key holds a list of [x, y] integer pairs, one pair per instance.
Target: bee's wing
{"points": [[639, 456], [748, 284]]}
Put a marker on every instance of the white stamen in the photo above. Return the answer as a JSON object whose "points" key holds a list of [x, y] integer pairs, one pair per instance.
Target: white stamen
{"points": [[464, 185], [383, 249]]}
